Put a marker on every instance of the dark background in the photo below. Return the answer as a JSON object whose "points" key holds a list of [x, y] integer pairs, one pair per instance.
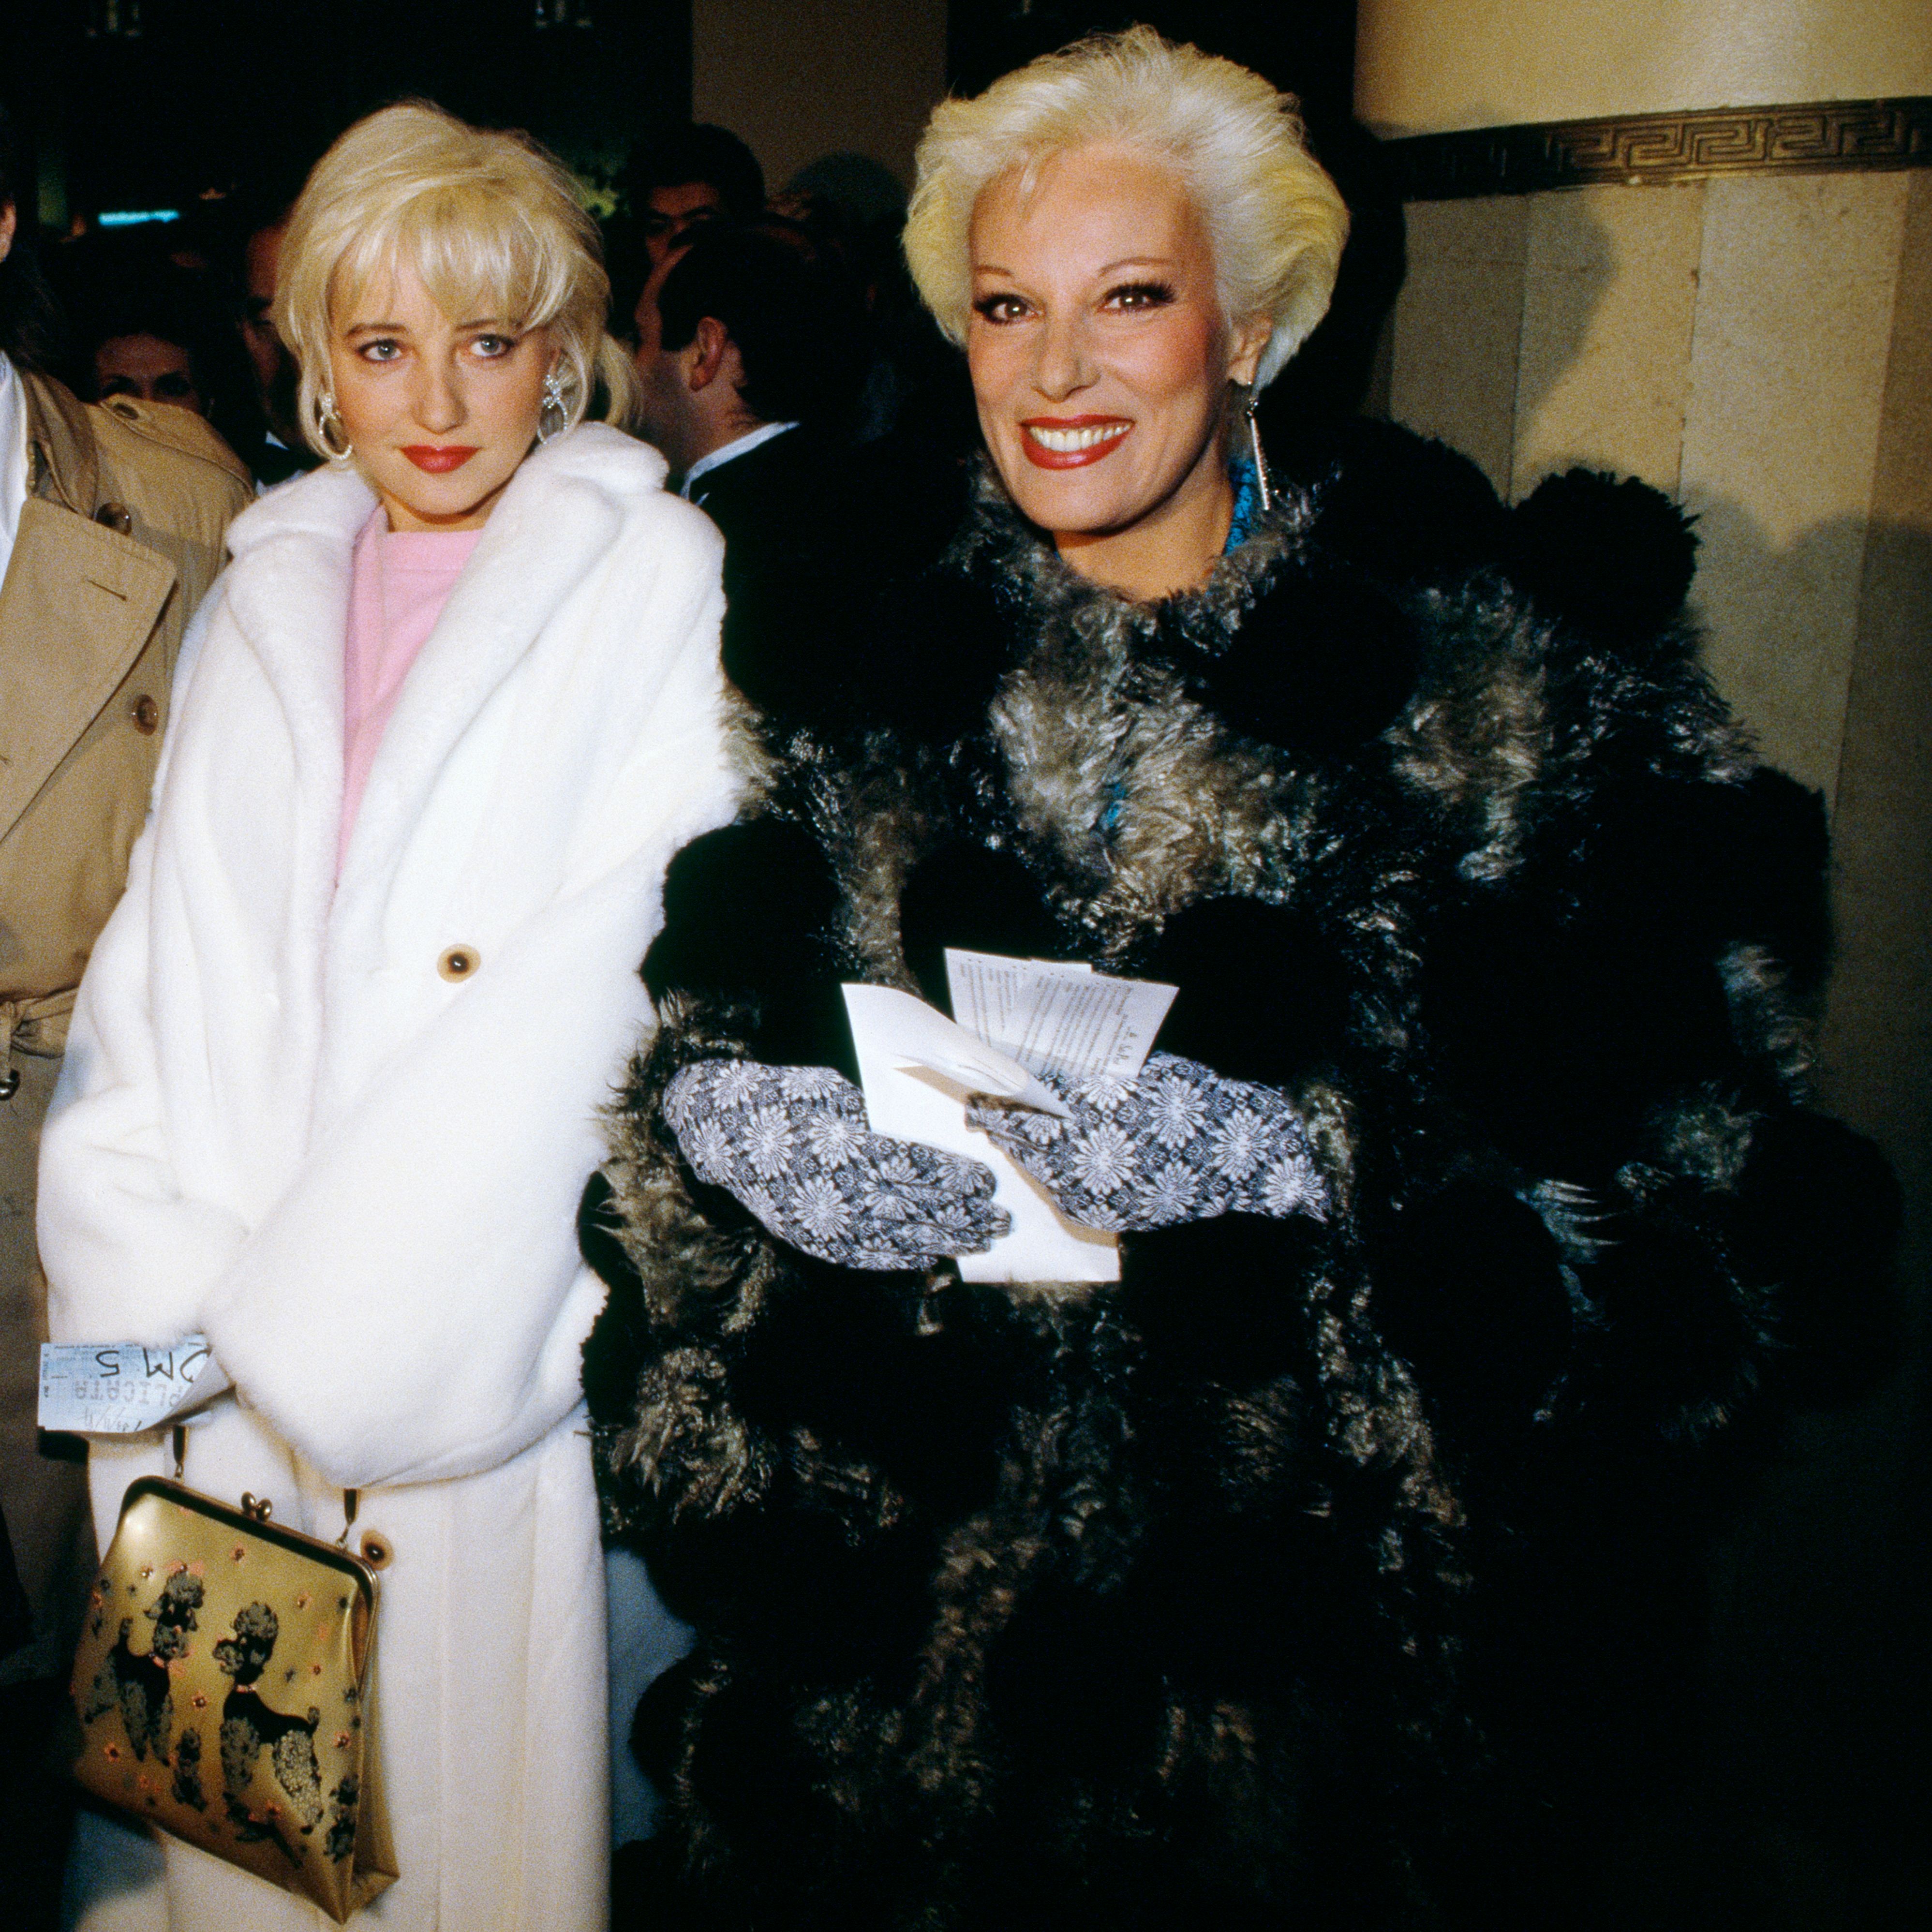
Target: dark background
{"points": [[152, 103]]}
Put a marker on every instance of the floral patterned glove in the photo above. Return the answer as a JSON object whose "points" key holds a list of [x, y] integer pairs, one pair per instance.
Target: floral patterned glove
{"points": [[1178, 1144], [793, 1144]]}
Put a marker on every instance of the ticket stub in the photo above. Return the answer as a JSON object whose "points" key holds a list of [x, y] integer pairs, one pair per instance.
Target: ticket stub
{"points": [[121, 1388]]}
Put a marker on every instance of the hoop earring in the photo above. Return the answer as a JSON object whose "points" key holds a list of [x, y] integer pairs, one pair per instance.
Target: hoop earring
{"points": [[1264, 490], [554, 416], [327, 421]]}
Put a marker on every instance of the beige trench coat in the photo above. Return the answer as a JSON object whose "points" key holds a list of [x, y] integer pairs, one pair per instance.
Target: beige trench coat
{"points": [[120, 536]]}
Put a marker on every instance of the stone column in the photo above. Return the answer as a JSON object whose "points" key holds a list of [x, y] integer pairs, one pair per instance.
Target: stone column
{"points": [[1694, 241]]}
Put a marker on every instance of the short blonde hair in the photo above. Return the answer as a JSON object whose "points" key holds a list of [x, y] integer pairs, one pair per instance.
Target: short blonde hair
{"points": [[1276, 220], [492, 224]]}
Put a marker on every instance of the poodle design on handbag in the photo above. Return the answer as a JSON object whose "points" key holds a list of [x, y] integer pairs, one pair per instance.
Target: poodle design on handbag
{"points": [[188, 1771], [138, 1685], [249, 1727]]}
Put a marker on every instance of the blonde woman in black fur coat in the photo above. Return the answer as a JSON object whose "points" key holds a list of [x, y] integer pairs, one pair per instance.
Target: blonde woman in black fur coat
{"points": [[1320, 1572]]}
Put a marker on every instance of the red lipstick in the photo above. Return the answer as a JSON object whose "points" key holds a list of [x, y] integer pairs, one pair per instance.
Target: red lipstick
{"points": [[438, 459], [1103, 436]]}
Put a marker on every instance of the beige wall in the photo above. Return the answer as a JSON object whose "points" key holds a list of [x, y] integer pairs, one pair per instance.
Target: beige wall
{"points": [[812, 77], [1878, 1036], [1432, 66], [1728, 340]]}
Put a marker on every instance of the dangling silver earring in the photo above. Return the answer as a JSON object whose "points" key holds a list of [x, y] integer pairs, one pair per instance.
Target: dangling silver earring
{"points": [[1263, 493], [329, 430], [554, 415]]}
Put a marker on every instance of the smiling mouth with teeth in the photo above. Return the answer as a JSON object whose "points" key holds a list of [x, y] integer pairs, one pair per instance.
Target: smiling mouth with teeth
{"points": [[1063, 446]]}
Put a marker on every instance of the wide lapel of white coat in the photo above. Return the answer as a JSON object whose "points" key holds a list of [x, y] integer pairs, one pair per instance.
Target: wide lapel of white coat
{"points": [[287, 595], [559, 515], [248, 811]]}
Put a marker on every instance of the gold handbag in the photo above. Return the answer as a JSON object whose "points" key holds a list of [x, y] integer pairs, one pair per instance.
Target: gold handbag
{"points": [[223, 1689]]}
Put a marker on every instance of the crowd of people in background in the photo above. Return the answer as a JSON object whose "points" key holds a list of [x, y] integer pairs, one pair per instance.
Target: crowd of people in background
{"points": [[177, 311]]}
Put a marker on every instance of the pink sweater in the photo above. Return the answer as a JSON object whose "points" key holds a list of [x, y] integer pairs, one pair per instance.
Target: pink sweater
{"points": [[401, 581]]}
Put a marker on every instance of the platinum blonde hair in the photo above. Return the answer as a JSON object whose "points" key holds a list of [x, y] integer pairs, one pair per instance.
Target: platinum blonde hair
{"points": [[1276, 220], [492, 224]]}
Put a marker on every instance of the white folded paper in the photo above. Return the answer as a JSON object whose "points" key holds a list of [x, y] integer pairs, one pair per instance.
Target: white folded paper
{"points": [[909, 1056], [1055, 1018], [121, 1388], [1023, 1018]]}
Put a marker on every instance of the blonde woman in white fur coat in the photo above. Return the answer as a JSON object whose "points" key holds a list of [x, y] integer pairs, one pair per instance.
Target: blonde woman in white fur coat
{"points": [[336, 1067]]}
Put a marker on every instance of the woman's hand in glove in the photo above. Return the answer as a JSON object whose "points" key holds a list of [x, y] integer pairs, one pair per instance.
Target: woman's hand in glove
{"points": [[793, 1144], [1178, 1144]]}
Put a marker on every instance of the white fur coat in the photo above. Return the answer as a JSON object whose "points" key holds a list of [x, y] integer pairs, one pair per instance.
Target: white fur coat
{"points": [[281, 1124]]}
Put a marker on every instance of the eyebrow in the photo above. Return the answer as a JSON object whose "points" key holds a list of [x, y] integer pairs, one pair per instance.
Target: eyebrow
{"points": [[402, 328], [1112, 268]]}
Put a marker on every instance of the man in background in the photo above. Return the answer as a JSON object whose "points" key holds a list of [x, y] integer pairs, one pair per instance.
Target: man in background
{"points": [[687, 176], [745, 346], [675, 183], [111, 522], [750, 356], [282, 452]]}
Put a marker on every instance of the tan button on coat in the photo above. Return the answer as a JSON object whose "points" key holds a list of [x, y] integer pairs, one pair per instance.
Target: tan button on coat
{"points": [[91, 622]]}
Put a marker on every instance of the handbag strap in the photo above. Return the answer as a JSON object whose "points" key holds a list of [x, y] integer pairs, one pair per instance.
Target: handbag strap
{"points": [[349, 1497]]}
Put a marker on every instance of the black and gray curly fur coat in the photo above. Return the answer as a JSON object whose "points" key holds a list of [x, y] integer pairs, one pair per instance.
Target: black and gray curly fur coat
{"points": [[1317, 1574]]}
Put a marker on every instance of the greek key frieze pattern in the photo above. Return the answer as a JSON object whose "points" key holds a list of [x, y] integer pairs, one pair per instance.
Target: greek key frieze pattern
{"points": [[1810, 138]]}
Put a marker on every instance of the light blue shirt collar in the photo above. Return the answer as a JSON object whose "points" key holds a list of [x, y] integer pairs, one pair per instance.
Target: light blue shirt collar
{"points": [[743, 446]]}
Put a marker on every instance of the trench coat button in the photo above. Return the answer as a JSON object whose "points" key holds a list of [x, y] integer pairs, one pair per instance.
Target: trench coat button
{"points": [[459, 962], [377, 1550], [146, 714], [116, 517]]}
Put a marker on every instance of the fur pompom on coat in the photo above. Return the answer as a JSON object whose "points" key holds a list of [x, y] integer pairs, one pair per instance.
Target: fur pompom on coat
{"points": [[1320, 1573]]}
